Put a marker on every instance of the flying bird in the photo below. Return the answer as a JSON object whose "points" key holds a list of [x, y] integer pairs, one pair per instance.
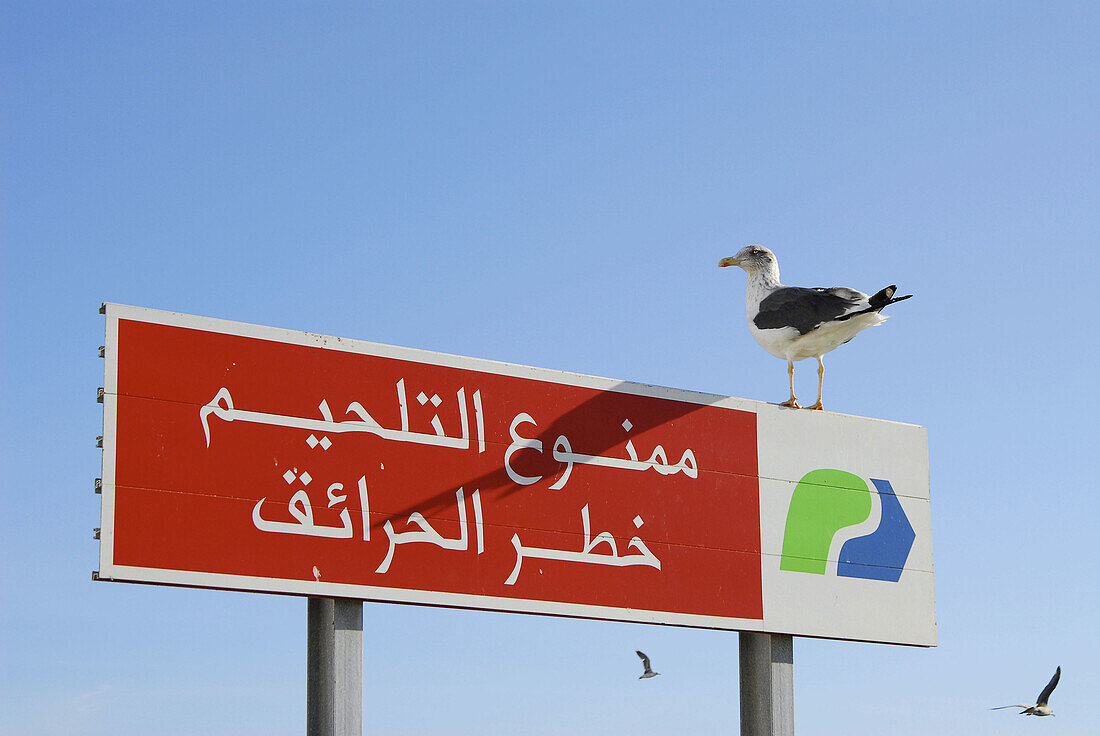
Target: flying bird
{"points": [[648, 670], [795, 323], [1040, 708]]}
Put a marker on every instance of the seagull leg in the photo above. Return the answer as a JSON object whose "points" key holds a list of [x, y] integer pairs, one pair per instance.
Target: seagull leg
{"points": [[791, 402], [820, 381]]}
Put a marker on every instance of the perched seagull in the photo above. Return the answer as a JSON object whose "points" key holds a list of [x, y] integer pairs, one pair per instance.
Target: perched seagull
{"points": [[795, 323], [1040, 708], [648, 670]]}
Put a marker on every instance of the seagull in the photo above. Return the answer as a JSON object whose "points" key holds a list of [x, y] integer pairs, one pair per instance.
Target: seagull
{"points": [[1040, 708], [648, 670], [795, 323]]}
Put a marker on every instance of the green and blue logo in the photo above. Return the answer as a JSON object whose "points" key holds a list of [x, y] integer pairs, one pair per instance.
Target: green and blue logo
{"points": [[826, 501]]}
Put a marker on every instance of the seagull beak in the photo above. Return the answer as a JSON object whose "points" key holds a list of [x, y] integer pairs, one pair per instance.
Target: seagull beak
{"points": [[731, 261]]}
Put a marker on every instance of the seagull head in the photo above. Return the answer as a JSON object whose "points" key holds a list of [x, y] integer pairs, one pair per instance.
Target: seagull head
{"points": [[754, 259]]}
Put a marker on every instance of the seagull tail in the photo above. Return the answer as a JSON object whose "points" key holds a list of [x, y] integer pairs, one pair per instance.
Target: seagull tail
{"points": [[879, 300], [886, 297]]}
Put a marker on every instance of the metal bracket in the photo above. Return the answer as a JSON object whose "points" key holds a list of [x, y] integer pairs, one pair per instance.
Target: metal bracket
{"points": [[99, 395], [99, 441], [102, 350], [99, 485], [95, 574], [103, 307], [95, 533]]}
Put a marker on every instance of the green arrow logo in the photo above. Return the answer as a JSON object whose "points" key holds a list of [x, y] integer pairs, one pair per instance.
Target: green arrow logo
{"points": [[824, 502]]}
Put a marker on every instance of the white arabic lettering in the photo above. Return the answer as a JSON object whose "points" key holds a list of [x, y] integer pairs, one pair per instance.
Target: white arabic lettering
{"points": [[563, 452], [221, 406], [519, 443], [300, 508], [429, 535], [586, 555]]}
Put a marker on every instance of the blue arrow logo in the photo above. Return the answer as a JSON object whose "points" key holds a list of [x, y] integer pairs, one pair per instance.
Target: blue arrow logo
{"points": [[880, 555]]}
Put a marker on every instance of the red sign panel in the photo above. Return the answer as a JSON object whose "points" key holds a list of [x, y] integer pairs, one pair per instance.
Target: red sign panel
{"points": [[260, 459]]}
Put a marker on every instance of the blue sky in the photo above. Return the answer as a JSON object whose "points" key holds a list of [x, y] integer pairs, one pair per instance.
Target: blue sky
{"points": [[553, 184]]}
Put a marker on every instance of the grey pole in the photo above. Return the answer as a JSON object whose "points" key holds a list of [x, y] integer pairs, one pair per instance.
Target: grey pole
{"points": [[334, 668], [767, 684]]}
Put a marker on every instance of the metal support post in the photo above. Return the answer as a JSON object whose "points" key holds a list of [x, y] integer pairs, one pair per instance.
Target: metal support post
{"points": [[767, 684], [334, 668]]}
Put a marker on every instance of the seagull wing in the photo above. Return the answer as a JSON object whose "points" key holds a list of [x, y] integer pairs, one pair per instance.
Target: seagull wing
{"points": [[1045, 695], [645, 659], [1002, 707], [805, 309]]}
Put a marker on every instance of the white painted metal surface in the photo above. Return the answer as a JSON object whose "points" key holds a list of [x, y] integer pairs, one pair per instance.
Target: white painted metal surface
{"points": [[794, 443]]}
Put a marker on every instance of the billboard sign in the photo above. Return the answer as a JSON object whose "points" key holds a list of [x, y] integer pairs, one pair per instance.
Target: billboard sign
{"points": [[254, 458]]}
